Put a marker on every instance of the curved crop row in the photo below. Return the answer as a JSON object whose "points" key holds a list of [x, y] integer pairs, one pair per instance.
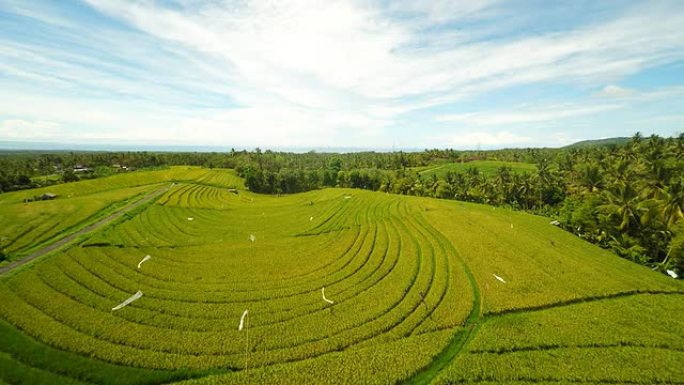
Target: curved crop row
{"points": [[387, 275]]}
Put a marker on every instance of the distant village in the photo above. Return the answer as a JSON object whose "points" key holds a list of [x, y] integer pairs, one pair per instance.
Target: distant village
{"points": [[80, 169]]}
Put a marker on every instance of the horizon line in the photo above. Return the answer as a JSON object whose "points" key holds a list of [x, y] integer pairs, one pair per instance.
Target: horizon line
{"points": [[10, 145]]}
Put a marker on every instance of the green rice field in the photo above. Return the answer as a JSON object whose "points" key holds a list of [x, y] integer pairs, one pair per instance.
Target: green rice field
{"points": [[416, 291], [485, 167]]}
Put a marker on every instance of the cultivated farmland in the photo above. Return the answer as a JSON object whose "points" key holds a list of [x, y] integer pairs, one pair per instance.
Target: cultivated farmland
{"points": [[26, 225], [486, 167], [417, 290]]}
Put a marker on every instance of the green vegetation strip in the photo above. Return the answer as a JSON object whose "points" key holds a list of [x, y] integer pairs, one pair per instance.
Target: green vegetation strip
{"points": [[459, 340], [574, 301]]}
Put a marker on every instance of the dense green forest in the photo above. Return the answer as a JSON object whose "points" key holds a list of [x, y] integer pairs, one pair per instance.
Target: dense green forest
{"points": [[625, 196]]}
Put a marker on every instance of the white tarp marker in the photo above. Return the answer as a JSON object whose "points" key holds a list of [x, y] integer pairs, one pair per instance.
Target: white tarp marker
{"points": [[325, 299], [499, 278], [310, 219], [128, 301], [242, 320], [252, 238], [242, 324], [147, 258], [191, 218], [672, 274]]}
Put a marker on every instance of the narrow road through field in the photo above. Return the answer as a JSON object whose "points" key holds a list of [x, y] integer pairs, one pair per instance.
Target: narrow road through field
{"points": [[85, 230]]}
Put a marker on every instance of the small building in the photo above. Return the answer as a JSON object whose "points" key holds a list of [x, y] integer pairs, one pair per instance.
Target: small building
{"points": [[48, 196]]}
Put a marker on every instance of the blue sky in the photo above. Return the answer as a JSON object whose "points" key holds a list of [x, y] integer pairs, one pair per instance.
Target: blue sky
{"points": [[361, 74]]}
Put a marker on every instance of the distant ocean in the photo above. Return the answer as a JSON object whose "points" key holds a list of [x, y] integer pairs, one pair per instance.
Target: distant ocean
{"points": [[57, 146]]}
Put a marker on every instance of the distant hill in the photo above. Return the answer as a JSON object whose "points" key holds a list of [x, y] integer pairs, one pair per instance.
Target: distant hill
{"points": [[598, 142]]}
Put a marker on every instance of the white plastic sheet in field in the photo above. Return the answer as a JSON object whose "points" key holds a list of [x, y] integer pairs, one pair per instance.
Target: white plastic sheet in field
{"points": [[242, 320], [134, 297], [310, 219], [191, 218], [554, 223], [499, 278], [672, 274], [252, 238], [325, 299], [147, 258]]}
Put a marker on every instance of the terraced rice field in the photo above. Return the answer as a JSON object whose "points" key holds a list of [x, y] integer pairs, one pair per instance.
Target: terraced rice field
{"points": [[411, 296], [25, 226]]}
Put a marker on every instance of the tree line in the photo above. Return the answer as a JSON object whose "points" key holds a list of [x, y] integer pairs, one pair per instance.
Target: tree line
{"points": [[625, 197]]}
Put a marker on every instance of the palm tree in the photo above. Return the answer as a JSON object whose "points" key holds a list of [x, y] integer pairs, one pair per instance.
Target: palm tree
{"points": [[635, 142], [623, 202], [543, 178], [525, 187], [622, 171], [590, 177], [628, 248], [654, 148], [501, 183], [679, 146], [655, 178], [459, 184], [675, 251], [474, 180], [672, 203]]}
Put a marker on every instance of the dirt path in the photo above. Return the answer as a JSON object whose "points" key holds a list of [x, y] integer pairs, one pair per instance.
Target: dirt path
{"points": [[85, 230]]}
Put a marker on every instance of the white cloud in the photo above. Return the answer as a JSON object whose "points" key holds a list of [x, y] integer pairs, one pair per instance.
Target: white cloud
{"points": [[476, 139], [356, 50], [539, 113], [613, 91], [23, 129], [310, 72], [442, 11]]}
